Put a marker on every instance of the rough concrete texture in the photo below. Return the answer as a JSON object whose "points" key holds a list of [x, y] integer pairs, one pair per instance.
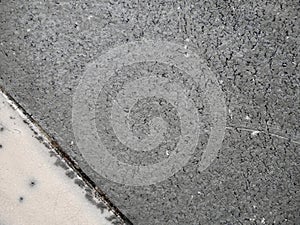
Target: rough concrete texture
{"points": [[251, 46]]}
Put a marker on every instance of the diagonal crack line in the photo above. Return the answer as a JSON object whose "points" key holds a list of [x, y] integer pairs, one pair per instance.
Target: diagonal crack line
{"points": [[234, 127]]}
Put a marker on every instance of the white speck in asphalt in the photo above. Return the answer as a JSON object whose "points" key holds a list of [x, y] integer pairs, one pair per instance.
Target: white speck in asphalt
{"points": [[167, 152], [230, 113], [253, 219], [254, 133], [178, 7], [247, 117], [28, 30], [263, 221]]}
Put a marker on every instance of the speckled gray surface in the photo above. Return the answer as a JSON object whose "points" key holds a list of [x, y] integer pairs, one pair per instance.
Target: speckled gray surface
{"points": [[251, 46]]}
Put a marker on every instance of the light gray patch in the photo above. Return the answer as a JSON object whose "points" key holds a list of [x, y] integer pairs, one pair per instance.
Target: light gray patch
{"points": [[101, 206], [52, 154], [79, 182], [111, 218], [70, 174], [90, 198], [61, 164], [142, 86], [39, 138], [141, 114], [47, 145]]}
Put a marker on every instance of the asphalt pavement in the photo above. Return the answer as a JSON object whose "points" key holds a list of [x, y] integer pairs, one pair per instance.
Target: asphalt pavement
{"points": [[146, 80]]}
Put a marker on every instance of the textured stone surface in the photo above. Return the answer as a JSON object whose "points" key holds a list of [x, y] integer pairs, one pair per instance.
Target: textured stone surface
{"points": [[251, 46]]}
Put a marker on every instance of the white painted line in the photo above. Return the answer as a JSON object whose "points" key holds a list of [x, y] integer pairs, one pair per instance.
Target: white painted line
{"points": [[33, 190]]}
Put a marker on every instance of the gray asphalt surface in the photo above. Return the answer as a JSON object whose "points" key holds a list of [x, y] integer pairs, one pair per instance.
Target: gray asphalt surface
{"points": [[251, 46]]}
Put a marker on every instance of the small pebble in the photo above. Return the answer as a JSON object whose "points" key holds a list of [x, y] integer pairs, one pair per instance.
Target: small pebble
{"points": [[21, 199], [32, 183], [254, 133]]}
